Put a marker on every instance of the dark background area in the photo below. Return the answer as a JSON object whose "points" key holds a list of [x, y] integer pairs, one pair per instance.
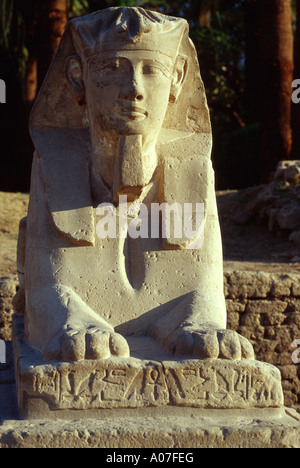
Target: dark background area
{"points": [[248, 53]]}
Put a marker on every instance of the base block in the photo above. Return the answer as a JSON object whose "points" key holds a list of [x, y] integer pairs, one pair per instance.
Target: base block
{"points": [[89, 389], [150, 400], [188, 429]]}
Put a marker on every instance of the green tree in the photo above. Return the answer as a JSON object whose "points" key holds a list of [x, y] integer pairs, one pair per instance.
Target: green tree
{"points": [[29, 35]]}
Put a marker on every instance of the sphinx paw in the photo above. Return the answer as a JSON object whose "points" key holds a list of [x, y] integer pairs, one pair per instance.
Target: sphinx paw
{"points": [[94, 342], [210, 344]]}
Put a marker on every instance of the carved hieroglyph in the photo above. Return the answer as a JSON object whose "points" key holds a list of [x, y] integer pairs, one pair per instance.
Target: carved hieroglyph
{"points": [[137, 382]]}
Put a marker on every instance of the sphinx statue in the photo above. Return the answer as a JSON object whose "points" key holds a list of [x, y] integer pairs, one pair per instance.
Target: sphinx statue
{"points": [[122, 119]]}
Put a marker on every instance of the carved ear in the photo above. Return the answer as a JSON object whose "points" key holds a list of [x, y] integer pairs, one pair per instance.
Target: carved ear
{"points": [[179, 75], [74, 75]]}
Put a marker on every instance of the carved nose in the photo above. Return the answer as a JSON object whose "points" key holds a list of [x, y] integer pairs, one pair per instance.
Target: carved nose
{"points": [[133, 91]]}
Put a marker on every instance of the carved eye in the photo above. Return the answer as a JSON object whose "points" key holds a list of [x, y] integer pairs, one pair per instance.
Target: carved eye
{"points": [[155, 69], [113, 67], [151, 70]]}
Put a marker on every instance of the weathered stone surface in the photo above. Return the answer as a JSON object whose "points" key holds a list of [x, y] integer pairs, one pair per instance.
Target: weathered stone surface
{"points": [[123, 322], [260, 284], [289, 216], [161, 427], [267, 313], [204, 429], [268, 343], [223, 384], [114, 137], [139, 383], [86, 290], [8, 288], [277, 204]]}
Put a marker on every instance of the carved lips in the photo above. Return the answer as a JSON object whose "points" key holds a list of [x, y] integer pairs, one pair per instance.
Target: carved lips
{"points": [[134, 113]]}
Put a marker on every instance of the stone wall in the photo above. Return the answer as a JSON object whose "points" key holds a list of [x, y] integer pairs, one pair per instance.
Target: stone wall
{"points": [[8, 289], [264, 307]]}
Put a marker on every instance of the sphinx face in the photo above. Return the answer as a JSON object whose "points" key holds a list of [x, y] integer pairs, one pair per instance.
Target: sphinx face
{"points": [[127, 93]]}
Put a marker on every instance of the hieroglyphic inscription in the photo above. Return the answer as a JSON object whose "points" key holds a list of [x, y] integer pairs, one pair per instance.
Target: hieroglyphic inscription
{"points": [[133, 384], [102, 385], [137, 383], [219, 384]]}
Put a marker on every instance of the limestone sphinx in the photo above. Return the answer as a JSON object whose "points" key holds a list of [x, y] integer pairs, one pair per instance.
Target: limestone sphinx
{"points": [[122, 112]]}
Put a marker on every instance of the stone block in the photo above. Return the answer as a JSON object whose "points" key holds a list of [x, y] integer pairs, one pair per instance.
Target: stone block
{"points": [[247, 284], [57, 389], [271, 428], [265, 307], [8, 288]]}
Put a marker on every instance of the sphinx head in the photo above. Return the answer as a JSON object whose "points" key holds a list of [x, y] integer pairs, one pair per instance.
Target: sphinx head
{"points": [[127, 69]]}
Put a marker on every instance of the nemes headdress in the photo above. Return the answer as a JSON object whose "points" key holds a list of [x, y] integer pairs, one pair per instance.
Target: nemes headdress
{"points": [[128, 29], [59, 126], [116, 29]]}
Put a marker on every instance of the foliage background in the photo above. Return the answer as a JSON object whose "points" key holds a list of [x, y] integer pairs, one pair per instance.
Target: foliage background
{"points": [[223, 33]]}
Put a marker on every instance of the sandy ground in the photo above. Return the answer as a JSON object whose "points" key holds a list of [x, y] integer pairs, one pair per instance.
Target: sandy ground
{"points": [[13, 207], [248, 246]]}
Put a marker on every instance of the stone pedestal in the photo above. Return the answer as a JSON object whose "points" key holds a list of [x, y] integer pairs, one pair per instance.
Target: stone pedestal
{"points": [[182, 429], [147, 403], [56, 389]]}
